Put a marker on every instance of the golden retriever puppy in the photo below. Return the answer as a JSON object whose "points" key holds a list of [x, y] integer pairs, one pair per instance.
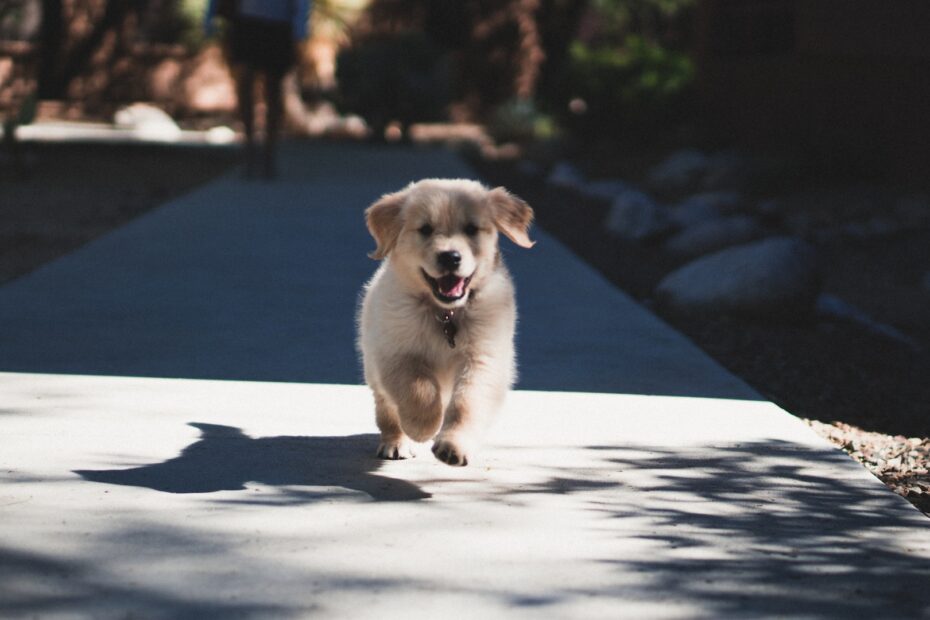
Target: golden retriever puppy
{"points": [[437, 319]]}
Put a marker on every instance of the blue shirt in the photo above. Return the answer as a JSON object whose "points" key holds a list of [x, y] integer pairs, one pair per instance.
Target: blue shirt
{"points": [[297, 12]]}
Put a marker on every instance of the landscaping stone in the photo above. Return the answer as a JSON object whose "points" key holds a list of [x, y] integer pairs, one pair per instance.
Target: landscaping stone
{"points": [[831, 306], [878, 227], [635, 216], [679, 173], [727, 170], [774, 278], [882, 227], [803, 224], [220, 135], [606, 189], [714, 235], [726, 201], [147, 122], [772, 208], [565, 175], [703, 208]]}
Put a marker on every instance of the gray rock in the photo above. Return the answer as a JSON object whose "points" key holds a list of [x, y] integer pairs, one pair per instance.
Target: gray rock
{"points": [[727, 170], [565, 175], [771, 208], [726, 201], [704, 207], [876, 228], [774, 278], [826, 235], [634, 215], [883, 227], [714, 235], [832, 307], [606, 189], [680, 172], [803, 224], [694, 211], [854, 230]]}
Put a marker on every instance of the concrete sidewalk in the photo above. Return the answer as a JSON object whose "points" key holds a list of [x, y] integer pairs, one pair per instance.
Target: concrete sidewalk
{"points": [[639, 479], [259, 281]]}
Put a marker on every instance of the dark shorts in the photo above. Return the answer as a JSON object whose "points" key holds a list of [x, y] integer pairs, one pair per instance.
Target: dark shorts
{"points": [[262, 44]]}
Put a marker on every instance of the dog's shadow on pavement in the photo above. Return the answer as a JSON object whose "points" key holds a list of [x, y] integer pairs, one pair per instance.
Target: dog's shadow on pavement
{"points": [[305, 469]]}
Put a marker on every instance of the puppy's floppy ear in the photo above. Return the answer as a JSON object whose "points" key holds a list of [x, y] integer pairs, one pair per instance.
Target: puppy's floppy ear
{"points": [[512, 216], [384, 222]]}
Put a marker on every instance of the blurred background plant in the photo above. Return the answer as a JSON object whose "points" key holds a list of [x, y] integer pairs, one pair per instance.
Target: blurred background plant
{"points": [[629, 91], [668, 22], [525, 68], [470, 56], [602, 68], [520, 121], [628, 73]]}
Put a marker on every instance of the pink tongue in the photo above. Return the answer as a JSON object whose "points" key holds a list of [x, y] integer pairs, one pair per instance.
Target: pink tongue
{"points": [[452, 286]]}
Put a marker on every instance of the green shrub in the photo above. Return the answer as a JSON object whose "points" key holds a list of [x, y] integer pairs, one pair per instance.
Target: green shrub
{"points": [[628, 90], [175, 22], [519, 120]]}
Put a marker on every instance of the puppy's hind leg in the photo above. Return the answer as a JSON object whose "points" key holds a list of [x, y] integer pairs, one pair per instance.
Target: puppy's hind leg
{"points": [[394, 443]]}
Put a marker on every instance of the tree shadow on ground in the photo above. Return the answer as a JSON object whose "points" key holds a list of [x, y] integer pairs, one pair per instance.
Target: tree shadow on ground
{"points": [[35, 585], [306, 469], [764, 528], [757, 529]]}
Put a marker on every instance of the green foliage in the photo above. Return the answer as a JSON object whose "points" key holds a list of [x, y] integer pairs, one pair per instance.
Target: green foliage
{"points": [[624, 90], [177, 22], [652, 19], [393, 78], [641, 73], [190, 22], [519, 120], [625, 8]]}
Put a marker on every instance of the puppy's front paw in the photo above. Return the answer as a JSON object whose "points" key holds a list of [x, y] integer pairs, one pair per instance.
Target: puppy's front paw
{"points": [[395, 449], [450, 451]]}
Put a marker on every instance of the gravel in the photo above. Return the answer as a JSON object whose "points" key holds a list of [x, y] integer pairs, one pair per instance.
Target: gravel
{"points": [[900, 462]]}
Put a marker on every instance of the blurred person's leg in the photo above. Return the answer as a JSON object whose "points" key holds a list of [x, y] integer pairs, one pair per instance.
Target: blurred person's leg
{"points": [[245, 88], [274, 111]]}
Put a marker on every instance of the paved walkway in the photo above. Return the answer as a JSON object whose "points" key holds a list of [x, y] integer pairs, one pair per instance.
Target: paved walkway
{"points": [[182, 435]]}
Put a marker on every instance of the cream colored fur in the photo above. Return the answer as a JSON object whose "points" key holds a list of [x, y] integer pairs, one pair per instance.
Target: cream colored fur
{"points": [[423, 387]]}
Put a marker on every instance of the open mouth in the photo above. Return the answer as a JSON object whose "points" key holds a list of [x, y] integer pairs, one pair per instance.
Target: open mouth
{"points": [[448, 288]]}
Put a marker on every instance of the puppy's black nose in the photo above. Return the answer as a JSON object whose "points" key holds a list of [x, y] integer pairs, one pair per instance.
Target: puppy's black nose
{"points": [[449, 260]]}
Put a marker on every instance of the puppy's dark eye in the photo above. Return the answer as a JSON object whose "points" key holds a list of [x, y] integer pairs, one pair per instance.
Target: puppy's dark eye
{"points": [[471, 230], [426, 230]]}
